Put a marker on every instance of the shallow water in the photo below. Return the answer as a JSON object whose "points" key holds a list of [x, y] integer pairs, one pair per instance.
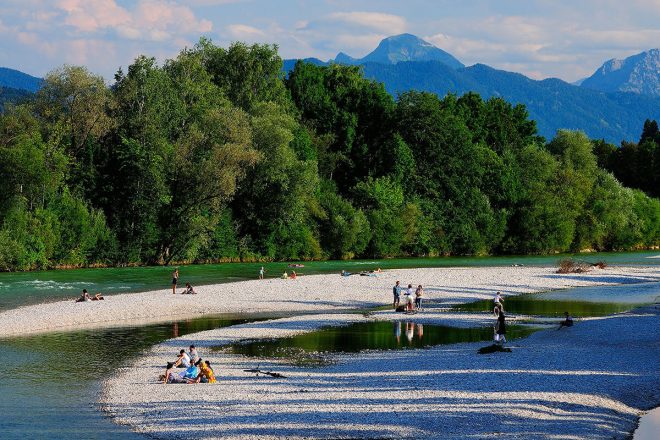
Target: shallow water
{"points": [[531, 305], [23, 288], [51, 382], [375, 335]]}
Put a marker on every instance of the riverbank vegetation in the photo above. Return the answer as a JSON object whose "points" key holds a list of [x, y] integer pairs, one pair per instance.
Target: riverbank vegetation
{"points": [[215, 156]]}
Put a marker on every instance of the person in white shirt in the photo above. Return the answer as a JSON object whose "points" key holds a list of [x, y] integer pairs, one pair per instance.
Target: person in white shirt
{"points": [[498, 303], [182, 360]]}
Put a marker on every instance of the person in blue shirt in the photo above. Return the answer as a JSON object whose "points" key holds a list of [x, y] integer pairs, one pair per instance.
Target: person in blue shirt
{"points": [[396, 290]]}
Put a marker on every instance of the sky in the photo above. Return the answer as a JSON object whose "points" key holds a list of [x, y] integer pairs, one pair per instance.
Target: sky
{"points": [[538, 38]]}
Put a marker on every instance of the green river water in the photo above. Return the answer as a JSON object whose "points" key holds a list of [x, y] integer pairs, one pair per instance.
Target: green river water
{"points": [[51, 382]]}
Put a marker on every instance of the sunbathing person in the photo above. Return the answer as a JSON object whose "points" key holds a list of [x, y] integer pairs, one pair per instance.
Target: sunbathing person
{"points": [[206, 374], [97, 297], [84, 297], [189, 290], [567, 322], [182, 360]]}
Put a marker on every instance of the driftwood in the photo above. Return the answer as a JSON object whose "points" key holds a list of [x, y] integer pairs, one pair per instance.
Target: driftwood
{"points": [[268, 373]]}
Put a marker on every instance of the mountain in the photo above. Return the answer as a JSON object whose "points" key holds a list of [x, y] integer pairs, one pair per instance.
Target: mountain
{"points": [[18, 80], [553, 103], [405, 62], [399, 48], [637, 74]]}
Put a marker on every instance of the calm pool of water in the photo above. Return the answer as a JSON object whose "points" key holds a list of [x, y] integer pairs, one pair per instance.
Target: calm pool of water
{"points": [[532, 305], [23, 288], [375, 335]]}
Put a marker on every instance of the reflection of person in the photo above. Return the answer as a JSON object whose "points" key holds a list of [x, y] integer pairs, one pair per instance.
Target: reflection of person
{"points": [[396, 290], [567, 322], [397, 331], [410, 330], [175, 279], [420, 331]]}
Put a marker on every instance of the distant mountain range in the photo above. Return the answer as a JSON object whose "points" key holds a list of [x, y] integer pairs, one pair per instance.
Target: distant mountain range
{"points": [[637, 74], [405, 62]]}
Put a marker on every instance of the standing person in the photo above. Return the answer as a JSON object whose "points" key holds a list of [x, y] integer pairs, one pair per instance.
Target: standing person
{"points": [[261, 273], [501, 328], [418, 297], [175, 279], [409, 299], [498, 303], [396, 290]]}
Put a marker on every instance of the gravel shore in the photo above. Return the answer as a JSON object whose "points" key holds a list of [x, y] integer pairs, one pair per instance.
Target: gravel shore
{"points": [[589, 381], [446, 286]]}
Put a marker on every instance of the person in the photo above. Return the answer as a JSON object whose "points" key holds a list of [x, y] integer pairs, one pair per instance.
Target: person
{"points": [[189, 290], [396, 290], [409, 299], [206, 374], [285, 276], [97, 297], [498, 303], [175, 279], [182, 360], [293, 275], [567, 322], [193, 355], [500, 332], [418, 297], [170, 376], [261, 273], [84, 296], [345, 274]]}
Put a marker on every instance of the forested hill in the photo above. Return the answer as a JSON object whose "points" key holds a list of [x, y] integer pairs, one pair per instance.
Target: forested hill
{"points": [[15, 79], [552, 103], [214, 156]]}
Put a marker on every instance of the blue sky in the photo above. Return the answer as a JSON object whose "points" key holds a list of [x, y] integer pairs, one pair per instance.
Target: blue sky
{"points": [[539, 38]]}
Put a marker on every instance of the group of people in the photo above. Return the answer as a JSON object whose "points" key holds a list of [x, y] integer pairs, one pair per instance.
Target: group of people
{"points": [[189, 290], [85, 296], [413, 298], [188, 368]]}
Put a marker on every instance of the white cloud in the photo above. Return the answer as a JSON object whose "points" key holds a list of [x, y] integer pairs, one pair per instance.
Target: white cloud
{"points": [[245, 32], [386, 23]]}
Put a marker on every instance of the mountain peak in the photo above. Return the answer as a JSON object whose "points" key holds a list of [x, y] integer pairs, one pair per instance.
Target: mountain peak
{"points": [[403, 47], [638, 74]]}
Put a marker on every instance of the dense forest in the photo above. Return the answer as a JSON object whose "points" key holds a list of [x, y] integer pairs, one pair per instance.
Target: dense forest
{"points": [[215, 156]]}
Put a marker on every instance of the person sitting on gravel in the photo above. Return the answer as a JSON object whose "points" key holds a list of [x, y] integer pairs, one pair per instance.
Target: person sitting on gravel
{"points": [[182, 360], [206, 374], [193, 355], [189, 290], [567, 322], [84, 296]]}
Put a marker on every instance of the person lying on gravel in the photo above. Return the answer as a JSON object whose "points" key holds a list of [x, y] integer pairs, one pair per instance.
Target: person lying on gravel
{"points": [[189, 375]]}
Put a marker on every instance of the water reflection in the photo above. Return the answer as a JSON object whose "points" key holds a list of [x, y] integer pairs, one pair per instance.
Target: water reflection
{"points": [[375, 335]]}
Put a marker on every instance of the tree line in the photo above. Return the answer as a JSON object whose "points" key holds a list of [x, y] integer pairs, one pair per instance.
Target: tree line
{"points": [[216, 156]]}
